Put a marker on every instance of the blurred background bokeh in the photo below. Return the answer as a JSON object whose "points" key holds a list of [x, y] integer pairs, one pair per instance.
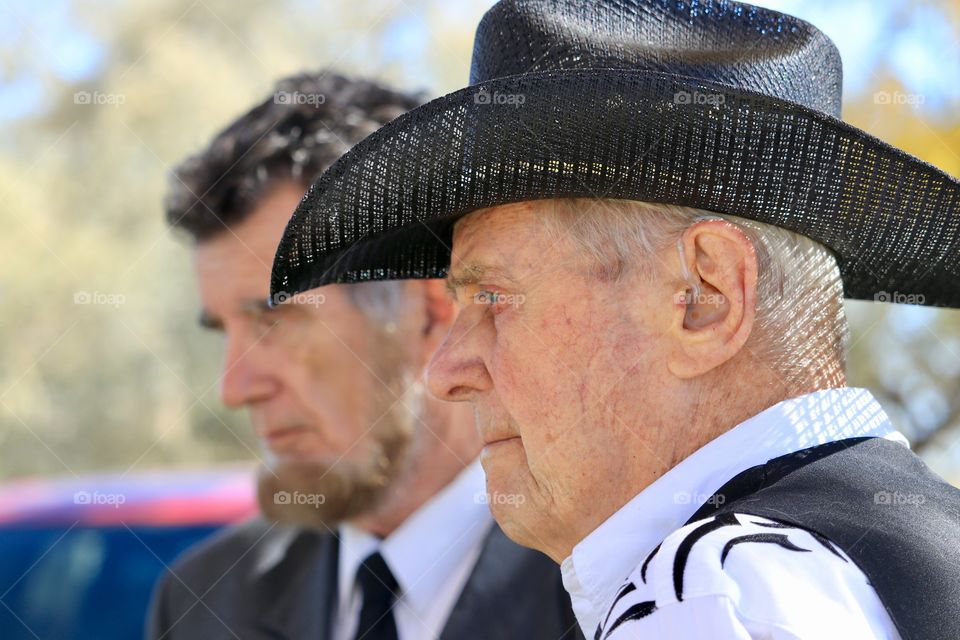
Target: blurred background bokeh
{"points": [[103, 364]]}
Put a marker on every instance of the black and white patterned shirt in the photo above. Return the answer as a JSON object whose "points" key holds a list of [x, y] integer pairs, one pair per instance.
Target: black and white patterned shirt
{"points": [[742, 576], [643, 574]]}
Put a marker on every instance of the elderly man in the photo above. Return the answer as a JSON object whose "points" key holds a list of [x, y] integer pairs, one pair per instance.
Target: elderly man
{"points": [[649, 213], [385, 532]]}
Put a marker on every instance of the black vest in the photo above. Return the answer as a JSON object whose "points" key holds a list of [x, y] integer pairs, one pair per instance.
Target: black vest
{"points": [[883, 506]]}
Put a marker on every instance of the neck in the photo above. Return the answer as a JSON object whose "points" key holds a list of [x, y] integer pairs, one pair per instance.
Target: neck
{"points": [[706, 413], [447, 442], [727, 406]]}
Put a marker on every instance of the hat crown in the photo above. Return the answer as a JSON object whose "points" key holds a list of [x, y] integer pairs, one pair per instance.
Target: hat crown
{"points": [[720, 41]]}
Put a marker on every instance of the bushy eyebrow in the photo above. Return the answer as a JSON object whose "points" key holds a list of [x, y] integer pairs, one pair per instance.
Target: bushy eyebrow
{"points": [[471, 274], [258, 307], [209, 321]]}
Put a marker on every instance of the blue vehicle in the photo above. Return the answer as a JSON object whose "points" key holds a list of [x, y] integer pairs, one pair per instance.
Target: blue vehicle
{"points": [[79, 557]]}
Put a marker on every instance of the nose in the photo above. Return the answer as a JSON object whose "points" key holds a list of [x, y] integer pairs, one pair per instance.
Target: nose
{"points": [[246, 378], [457, 372]]}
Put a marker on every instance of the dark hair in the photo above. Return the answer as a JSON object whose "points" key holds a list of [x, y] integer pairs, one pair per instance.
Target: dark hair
{"points": [[295, 134]]}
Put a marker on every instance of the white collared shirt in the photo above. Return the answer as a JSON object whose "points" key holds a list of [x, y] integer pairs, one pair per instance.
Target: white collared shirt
{"points": [[431, 555], [755, 595]]}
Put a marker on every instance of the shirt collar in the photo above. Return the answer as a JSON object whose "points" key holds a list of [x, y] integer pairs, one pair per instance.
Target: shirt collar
{"points": [[425, 550], [600, 562]]}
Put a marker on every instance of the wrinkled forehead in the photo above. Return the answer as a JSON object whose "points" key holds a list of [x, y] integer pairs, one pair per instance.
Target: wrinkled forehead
{"points": [[503, 215], [507, 243], [495, 231]]}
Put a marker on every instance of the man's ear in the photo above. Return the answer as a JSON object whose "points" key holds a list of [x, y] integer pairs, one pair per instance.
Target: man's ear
{"points": [[715, 306]]}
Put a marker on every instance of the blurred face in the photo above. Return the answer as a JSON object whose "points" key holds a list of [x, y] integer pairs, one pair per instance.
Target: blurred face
{"points": [[321, 382], [563, 370]]}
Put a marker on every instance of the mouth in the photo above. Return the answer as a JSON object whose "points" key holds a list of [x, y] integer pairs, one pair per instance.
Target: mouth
{"points": [[280, 439], [499, 440]]}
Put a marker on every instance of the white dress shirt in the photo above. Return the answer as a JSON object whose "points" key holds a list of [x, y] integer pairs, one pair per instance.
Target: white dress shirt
{"points": [[761, 590], [431, 555]]}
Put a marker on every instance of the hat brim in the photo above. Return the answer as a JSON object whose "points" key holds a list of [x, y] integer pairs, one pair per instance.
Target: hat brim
{"points": [[385, 210]]}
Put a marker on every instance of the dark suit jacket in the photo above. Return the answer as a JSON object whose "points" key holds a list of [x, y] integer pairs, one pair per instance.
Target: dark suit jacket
{"points": [[263, 580]]}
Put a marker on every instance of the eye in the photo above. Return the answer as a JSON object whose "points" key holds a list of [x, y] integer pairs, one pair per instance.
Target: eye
{"points": [[264, 322], [497, 301], [485, 297]]}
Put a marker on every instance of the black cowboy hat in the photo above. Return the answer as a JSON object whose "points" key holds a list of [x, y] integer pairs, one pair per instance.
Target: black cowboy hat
{"points": [[704, 103]]}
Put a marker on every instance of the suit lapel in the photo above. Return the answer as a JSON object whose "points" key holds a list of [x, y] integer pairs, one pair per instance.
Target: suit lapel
{"points": [[295, 588], [513, 592]]}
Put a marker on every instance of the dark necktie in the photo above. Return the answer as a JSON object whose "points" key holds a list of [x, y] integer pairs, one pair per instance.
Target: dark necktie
{"points": [[379, 589]]}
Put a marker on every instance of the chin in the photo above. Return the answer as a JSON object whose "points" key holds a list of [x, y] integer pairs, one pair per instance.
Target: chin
{"points": [[510, 519]]}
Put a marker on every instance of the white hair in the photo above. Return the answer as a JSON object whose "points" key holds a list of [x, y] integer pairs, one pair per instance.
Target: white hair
{"points": [[379, 301], [801, 328]]}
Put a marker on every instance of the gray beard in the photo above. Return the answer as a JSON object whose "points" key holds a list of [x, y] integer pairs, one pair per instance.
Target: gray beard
{"points": [[322, 495]]}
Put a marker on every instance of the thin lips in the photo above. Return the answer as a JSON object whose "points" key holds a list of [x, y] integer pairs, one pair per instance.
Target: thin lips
{"points": [[500, 438], [274, 433]]}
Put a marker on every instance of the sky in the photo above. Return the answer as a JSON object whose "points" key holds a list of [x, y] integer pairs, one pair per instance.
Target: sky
{"points": [[924, 53]]}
